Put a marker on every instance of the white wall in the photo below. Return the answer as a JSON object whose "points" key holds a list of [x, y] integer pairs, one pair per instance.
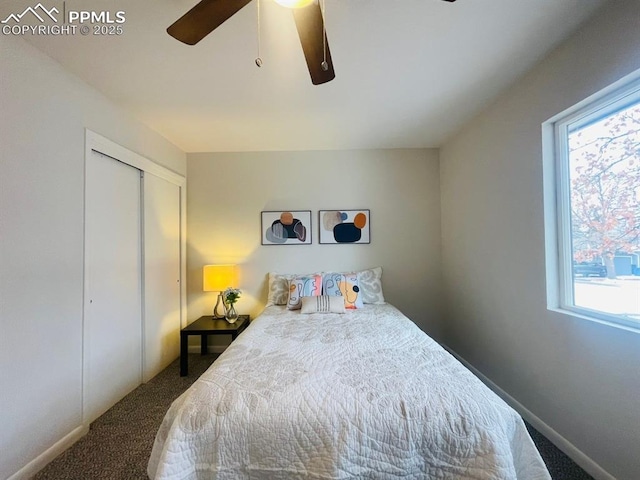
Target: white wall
{"points": [[44, 113], [580, 378], [227, 192]]}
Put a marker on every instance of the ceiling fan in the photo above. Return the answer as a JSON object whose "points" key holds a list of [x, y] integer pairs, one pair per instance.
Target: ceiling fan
{"points": [[208, 15]]}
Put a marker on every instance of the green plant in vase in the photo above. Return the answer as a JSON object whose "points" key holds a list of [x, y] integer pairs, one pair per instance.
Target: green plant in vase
{"points": [[231, 296]]}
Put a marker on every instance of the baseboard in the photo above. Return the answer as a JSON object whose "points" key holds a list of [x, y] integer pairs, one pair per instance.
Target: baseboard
{"points": [[37, 464], [41, 461], [212, 348], [575, 454]]}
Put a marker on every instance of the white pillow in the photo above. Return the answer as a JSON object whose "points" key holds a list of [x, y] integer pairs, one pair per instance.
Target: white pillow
{"points": [[370, 282], [322, 304], [278, 288]]}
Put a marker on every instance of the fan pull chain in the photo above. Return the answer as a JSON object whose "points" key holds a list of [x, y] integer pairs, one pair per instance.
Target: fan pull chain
{"points": [[324, 64], [258, 59]]}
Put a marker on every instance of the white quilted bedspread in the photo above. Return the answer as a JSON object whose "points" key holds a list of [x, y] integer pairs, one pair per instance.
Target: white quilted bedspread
{"points": [[364, 395]]}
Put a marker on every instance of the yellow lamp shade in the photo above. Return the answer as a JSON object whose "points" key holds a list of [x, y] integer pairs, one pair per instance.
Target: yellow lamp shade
{"points": [[294, 3], [216, 278]]}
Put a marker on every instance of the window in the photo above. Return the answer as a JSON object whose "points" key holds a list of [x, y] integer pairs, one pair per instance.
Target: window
{"points": [[596, 204]]}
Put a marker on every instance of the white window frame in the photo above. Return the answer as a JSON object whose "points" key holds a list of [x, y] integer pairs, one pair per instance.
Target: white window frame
{"points": [[557, 199]]}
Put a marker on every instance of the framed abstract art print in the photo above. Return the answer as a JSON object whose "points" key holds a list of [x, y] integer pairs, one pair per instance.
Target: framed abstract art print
{"points": [[286, 227], [344, 226]]}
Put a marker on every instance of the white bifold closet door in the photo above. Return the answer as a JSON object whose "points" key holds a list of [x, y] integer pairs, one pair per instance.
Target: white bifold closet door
{"points": [[161, 274], [113, 283]]}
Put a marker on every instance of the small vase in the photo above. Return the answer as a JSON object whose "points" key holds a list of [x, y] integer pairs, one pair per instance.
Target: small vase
{"points": [[230, 314]]}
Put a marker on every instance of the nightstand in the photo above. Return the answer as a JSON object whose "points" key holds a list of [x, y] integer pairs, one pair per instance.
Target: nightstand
{"points": [[205, 326]]}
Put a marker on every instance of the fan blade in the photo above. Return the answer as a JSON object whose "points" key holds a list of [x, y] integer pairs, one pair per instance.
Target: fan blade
{"points": [[203, 19], [313, 38]]}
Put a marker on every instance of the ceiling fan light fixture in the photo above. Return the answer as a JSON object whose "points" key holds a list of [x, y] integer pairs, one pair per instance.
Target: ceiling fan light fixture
{"points": [[294, 3]]}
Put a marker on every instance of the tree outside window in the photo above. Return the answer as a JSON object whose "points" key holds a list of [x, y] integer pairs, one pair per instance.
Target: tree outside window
{"points": [[604, 163]]}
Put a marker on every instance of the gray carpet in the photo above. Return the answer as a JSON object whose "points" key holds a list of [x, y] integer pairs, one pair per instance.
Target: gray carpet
{"points": [[119, 443]]}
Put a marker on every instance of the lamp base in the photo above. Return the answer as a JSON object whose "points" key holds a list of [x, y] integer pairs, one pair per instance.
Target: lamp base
{"points": [[216, 309]]}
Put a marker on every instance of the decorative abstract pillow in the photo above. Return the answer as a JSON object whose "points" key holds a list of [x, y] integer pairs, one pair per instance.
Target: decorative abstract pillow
{"points": [[278, 288], [330, 284], [306, 286], [322, 304], [370, 282], [343, 285]]}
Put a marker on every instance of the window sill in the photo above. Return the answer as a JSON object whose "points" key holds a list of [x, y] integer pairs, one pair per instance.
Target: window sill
{"points": [[597, 317]]}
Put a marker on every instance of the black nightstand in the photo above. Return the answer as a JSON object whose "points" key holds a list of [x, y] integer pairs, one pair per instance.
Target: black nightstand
{"points": [[205, 326]]}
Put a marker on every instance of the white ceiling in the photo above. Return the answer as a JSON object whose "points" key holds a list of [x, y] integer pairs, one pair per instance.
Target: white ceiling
{"points": [[409, 73]]}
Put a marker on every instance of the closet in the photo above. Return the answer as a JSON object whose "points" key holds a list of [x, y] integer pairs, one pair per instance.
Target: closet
{"points": [[134, 265]]}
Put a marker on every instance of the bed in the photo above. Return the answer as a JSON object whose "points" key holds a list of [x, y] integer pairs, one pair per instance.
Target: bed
{"points": [[365, 394]]}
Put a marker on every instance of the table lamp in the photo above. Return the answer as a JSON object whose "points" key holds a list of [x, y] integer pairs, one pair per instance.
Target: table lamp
{"points": [[217, 278]]}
